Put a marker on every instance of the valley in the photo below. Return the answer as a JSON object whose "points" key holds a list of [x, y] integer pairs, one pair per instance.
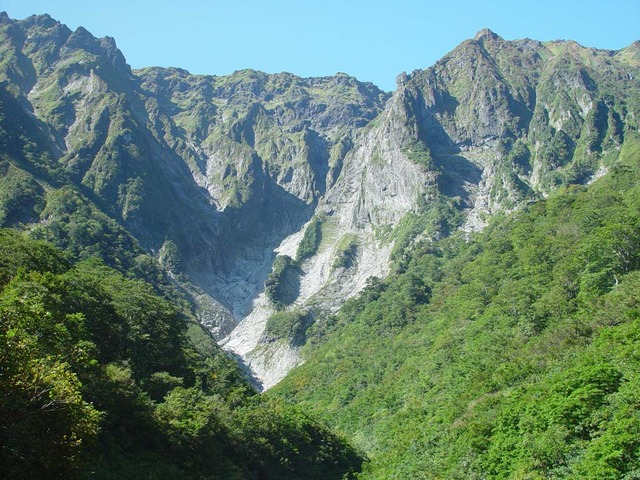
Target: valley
{"points": [[414, 268]]}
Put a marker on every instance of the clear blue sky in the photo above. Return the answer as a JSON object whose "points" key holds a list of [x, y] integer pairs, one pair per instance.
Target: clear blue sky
{"points": [[374, 40]]}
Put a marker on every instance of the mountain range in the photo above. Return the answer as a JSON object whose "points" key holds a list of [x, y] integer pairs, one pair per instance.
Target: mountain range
{"points": [[215, 176], [264, 202]]}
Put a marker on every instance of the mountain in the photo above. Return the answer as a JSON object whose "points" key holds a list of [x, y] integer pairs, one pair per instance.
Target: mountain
{"points": [[216, 170], [454, 264], [507, 353], [502, 352], [271, 199], [493, 126]]}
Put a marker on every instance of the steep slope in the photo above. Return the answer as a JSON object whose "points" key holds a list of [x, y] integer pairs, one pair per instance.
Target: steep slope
{"points": [[530, 115], [215, 170], [265, 148], [492, 126], [508, 354], [272, 194], [79, 148], [378, 184]]}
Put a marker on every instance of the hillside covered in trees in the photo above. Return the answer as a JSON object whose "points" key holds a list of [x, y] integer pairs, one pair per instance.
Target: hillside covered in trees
{"points": [[100, 378], [452, 267], [509, 354]]}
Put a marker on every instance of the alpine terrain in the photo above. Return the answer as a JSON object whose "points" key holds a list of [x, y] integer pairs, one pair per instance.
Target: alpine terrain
{"points": [[454, 263]]}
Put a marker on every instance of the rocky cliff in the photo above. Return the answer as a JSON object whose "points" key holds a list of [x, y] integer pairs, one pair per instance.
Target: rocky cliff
{"points": [[271, 199], [493, 125]]}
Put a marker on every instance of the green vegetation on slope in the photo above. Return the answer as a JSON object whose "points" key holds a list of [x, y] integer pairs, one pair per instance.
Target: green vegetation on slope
{"points": [[286, 325], [98, 380], [283, 283], [311, 239], [512, 354], [346, 252]]}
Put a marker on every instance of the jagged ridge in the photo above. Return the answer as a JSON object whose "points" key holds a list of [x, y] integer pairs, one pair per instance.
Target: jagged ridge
{"points": [[222, 171]]}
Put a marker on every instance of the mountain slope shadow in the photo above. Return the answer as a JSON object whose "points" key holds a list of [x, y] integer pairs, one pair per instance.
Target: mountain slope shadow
{"points": [[459, 176], [236, 271]]}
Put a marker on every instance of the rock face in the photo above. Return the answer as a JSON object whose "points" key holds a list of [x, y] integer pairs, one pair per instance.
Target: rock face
{"points": [[217, 176]]}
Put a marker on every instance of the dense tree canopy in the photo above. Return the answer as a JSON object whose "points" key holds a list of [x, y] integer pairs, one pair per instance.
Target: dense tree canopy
{"points": [[98, 379]]}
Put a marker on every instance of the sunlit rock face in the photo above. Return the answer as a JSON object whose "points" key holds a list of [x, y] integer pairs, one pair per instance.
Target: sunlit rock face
{"points": [[218, 176]]}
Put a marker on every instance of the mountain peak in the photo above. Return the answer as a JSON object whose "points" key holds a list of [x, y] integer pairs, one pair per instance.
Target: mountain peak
{"points": [[486, 33]]}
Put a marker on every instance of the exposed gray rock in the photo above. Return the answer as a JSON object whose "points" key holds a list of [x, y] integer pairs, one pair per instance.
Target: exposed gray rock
{"points": [[231, 169]]}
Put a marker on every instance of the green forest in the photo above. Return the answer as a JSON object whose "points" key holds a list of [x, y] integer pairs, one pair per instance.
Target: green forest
{"points": [[512, 353], [103, 378]]}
